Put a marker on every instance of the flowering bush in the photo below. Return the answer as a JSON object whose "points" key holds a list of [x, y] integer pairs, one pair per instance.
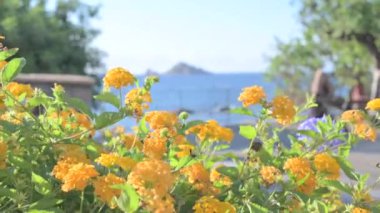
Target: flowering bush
{"points": [[66, 158]]}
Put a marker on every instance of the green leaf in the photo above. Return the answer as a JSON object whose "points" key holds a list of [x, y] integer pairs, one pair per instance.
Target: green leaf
{"points": [[12, 69], [5, 192], [129, 200], [8, 126], [347, 168], [79, 105], [53, 210], [256, 208], [7, 53], [310, 133], [344, 151], [248, 132], [19, 162], [322, 208], [107, 118], [222, 147], [42, 185], [108, 97], [231, 172], [338, 185], [192, 124], [37, 101], [241, 111], [143, 128], [44, 203], [186, 161]]}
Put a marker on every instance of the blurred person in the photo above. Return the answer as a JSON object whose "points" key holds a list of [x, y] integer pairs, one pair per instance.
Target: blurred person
{"points": [[358, 98], [323, 92]]}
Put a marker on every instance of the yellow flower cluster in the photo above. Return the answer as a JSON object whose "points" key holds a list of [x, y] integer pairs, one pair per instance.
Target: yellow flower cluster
{"points": [[360, 210], [300, 168], [113, 159], [361, 127], [184, 150], [352, 116], [17, 89], [324, 163], [217, 177], [14, 117], [118, 77], [152, 180], [365, 131], [137, 101], [130, 141], [362, 196], [71, 151], [199, 177], [161, 119], [209, 204], [283, 110], [3, 154], [211, 131], [270, 174], [78, 177], [252, 95], [73, 168], [155, 145], [373, 104], [103, 188]]}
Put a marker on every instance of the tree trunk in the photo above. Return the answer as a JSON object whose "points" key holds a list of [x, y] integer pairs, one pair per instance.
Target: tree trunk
{"points": [[375, 88]]}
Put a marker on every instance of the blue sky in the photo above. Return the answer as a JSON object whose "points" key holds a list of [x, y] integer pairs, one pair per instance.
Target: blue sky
{"points": [[217, 35]]}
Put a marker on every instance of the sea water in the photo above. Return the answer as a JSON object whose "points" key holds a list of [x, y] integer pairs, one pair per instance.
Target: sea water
{"points": [[203, 96]]}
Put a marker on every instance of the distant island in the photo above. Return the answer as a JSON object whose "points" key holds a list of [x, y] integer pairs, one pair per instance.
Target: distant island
{"points": [[186, 69]]}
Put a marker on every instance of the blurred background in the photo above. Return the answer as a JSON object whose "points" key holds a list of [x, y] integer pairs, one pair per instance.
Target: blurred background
{"points": [[206, 51]]}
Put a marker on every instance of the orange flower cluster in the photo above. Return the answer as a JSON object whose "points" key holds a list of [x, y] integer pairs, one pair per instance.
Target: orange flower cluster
{"points": [[164, 129], [105, 192], [113, 159], [73, 168], [153, 180], [217, 177], [300, 168], [211, 131], [360, 210], [3, 154], [199, 177], [270, 174], [184, 150], [137, 101], [130, 141], [283, 110], [118, 77], [17, 89], [252, 95], [324, 163], [3, 64], [78, 177], [361, 127], [155, 145], [161, 119], [209, 204]]}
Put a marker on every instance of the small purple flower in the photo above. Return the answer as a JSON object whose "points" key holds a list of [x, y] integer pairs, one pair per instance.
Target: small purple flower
{"points": [[311, 124]]}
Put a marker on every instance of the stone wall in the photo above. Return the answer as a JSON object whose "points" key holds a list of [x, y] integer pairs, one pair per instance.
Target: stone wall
{"points": [[78, 86]]}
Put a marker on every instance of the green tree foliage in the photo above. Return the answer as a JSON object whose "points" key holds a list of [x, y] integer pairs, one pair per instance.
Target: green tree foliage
{"points": [[341, 33], [54, 36]]}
